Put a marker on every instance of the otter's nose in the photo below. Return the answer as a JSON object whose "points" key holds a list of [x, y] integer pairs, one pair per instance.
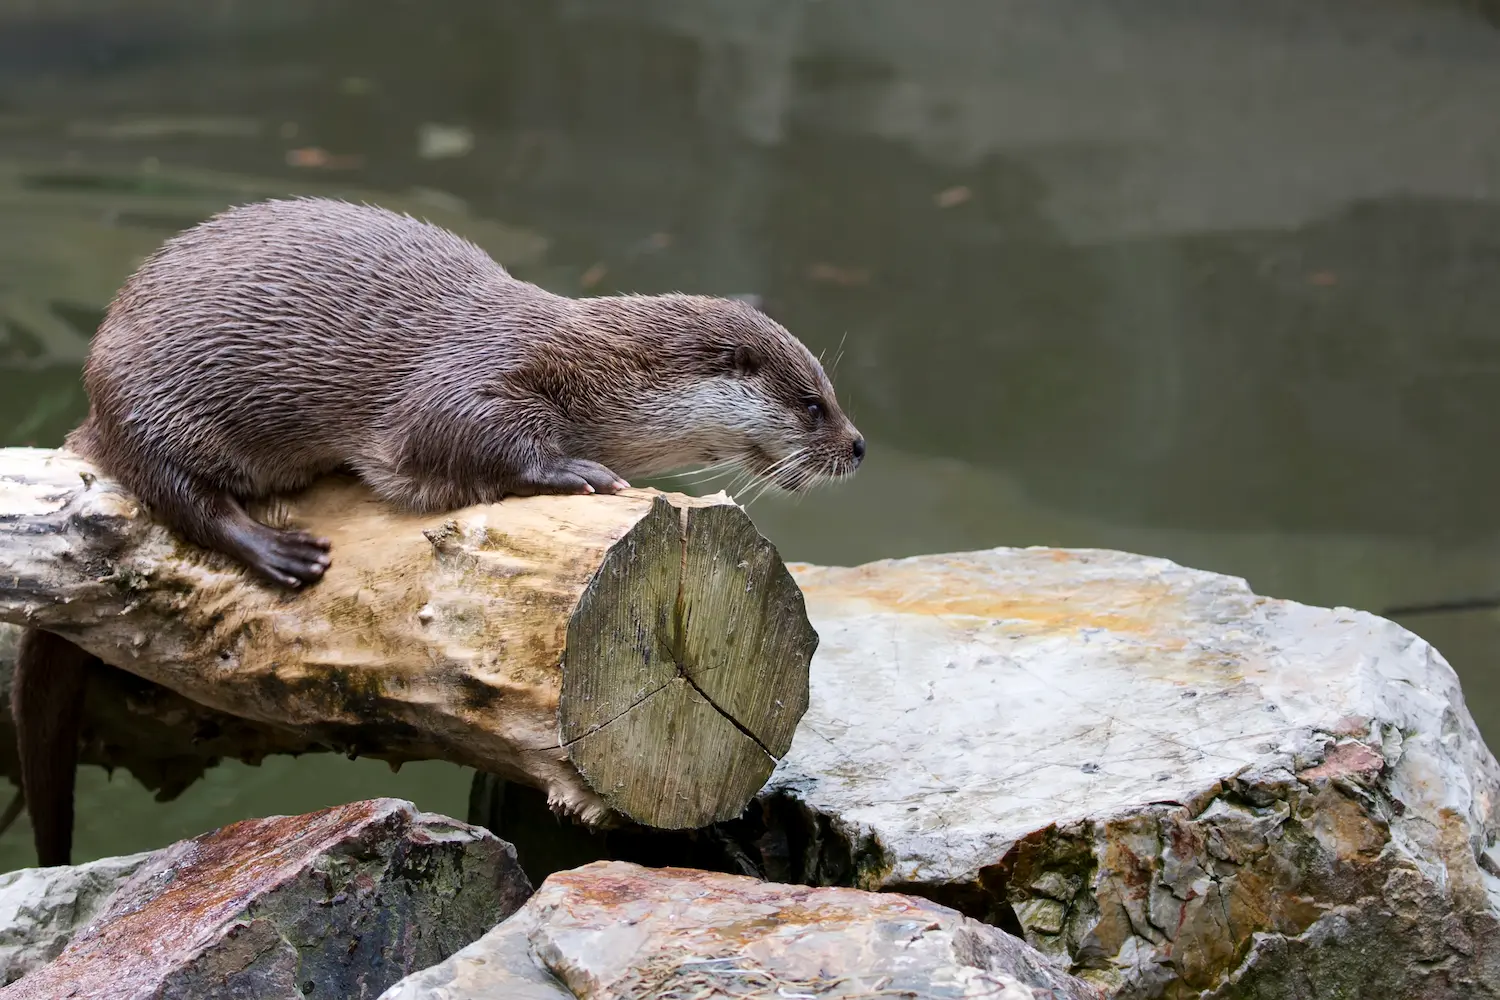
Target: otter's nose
{"points": [[858, 450]]}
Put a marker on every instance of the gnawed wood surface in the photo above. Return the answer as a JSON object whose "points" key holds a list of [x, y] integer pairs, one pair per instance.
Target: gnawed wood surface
{"points": [[535, 639]]}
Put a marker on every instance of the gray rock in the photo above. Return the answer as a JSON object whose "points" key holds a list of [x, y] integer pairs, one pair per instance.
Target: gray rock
{"points": [[40, 908], [338, 903], [1170, 785], [616, 931], [499, 966]]}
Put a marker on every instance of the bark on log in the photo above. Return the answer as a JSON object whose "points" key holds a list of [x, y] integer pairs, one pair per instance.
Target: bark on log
{"points": [[163, 740], [643, 655]]}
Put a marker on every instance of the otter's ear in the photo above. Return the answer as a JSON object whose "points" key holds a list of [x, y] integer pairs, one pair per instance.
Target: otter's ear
{"points": [[744, 360]]}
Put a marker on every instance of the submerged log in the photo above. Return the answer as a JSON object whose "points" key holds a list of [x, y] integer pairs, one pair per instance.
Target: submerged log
{"points": [[642, 655]]}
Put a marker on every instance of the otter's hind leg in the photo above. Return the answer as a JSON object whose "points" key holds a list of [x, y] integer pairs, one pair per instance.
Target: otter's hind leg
{"points": [[289, 557], [212, 518]]}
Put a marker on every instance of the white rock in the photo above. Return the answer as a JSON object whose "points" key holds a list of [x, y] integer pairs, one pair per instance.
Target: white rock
{"points": [[615, 931], [1166, 780], [498, 966], [42, 908]]}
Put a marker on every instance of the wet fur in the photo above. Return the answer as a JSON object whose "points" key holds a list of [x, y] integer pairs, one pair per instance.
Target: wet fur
{"points": [[282, 340]]}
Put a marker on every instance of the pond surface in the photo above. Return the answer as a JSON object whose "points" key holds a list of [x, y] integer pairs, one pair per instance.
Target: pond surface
{"points": [[1213, 281]]}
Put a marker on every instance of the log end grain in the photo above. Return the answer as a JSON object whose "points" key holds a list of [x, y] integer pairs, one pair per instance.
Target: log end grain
{"points": [[686, 668]]}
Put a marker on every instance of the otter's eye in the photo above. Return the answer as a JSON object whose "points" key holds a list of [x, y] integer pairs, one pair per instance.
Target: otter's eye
{"points": [[815, 410]]}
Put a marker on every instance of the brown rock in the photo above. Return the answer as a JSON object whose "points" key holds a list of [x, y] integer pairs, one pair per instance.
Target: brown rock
{"points": [[616, 931], [339, 903]]}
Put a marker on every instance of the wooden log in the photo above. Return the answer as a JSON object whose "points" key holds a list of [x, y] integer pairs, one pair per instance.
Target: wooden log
{"points": [[642, 655]]}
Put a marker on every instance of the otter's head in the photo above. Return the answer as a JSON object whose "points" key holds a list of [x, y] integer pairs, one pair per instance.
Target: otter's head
{"points": [[760, 400]]}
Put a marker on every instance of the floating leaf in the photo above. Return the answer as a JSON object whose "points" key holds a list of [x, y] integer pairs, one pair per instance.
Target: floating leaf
{"points": [[441, 142], [315, 157], [953, 196], [593, 275], [832, 274]]}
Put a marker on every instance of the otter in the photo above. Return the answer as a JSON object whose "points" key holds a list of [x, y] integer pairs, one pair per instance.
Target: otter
{"points": [[283, 340]]}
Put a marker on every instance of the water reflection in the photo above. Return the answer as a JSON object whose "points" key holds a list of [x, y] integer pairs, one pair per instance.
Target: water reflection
{"points": [[1213, 281]]}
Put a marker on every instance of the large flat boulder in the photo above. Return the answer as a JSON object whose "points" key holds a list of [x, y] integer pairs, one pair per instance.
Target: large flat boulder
{"points": [[1170, 785], [337, 903], [617, 931]]}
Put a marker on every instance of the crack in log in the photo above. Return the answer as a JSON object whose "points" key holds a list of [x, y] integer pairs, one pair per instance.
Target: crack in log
{"points": [[679, 643], [732, 720], [618, 715]]}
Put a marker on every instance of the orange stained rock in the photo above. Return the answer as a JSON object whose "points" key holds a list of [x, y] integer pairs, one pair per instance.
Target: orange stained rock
{"points": [[939, 586]]}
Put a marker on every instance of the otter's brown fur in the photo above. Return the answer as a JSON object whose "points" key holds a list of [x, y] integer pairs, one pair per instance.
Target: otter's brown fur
{"points": [[282, 340]]}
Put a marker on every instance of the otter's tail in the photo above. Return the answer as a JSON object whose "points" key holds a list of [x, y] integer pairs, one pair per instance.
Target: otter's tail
{"points": [[46, 701]]}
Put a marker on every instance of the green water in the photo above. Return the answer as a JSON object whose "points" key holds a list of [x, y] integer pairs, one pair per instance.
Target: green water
{"points": [[1213, 281]]}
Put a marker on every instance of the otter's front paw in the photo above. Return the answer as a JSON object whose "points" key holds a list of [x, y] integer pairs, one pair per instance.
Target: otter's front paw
{"points": [[574, 475]]}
